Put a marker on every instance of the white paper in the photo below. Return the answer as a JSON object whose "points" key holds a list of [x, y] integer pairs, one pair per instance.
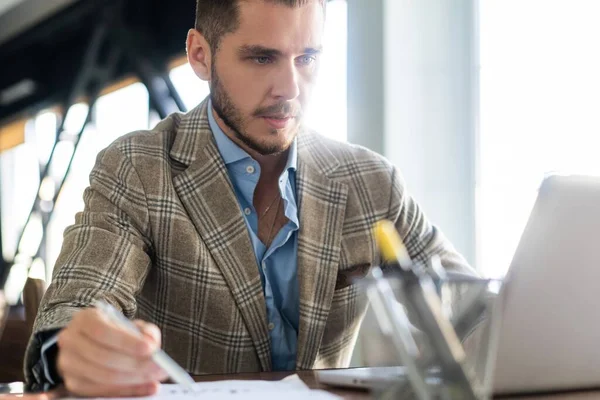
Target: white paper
{"points": [[290, 388]]}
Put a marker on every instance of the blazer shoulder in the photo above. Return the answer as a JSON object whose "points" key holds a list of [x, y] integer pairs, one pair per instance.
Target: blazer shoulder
{"points": [[352, 159], [155, 143]]}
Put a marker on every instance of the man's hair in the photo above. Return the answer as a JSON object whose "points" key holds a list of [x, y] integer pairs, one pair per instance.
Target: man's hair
{"points": [[215, 18]]}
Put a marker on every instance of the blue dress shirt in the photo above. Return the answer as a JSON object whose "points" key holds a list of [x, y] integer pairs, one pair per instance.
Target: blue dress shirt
{"points": [[278, 264]]}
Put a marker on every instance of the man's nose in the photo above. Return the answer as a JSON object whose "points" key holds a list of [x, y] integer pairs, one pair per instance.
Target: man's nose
{"points": [[285, 86]]}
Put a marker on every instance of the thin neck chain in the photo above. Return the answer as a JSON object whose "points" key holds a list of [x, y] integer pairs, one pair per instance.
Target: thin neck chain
{"points": [[273, 223], [270, 205]]}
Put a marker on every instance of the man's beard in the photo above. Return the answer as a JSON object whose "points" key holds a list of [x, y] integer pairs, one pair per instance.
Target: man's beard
{"points": [[232, 117]]}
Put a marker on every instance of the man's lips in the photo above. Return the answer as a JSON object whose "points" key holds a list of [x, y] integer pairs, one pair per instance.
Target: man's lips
{"points": [[278, 122]]}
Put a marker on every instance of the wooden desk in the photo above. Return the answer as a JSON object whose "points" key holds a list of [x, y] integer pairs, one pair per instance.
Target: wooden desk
{"points": [[309, 377]]}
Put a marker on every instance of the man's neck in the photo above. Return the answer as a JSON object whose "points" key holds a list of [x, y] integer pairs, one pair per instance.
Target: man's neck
{"points": [[271, 166]]}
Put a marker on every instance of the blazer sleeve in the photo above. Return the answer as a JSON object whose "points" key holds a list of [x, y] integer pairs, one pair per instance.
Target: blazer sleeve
{"points": [[421, 237], [106, 254]]}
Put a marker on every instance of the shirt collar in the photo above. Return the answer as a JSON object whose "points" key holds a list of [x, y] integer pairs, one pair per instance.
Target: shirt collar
{"points": [[232, 153]]}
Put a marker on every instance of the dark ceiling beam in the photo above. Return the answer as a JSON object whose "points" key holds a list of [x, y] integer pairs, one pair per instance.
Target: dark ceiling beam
{"points": [[49, 54], [26, 14]]}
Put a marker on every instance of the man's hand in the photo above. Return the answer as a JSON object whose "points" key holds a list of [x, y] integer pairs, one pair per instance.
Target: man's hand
{"points": [[98, 358]]}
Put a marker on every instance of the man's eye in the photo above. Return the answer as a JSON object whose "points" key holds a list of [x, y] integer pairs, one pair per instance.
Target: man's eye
{"points": [[262, 60], [306, 60]]}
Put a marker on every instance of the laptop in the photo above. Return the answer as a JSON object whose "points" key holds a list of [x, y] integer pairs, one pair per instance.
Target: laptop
{"points": [[550, 330]]}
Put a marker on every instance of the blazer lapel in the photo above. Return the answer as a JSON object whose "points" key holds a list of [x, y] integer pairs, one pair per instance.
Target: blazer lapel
{"points": [[322, 209], [207, 194]]}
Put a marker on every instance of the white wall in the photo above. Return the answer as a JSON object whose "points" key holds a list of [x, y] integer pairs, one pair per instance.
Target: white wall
{"points": [[412, 84], [412, 79], [366, 122]]}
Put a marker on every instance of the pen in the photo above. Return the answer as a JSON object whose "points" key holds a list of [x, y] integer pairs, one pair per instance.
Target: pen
{"points": [[175, 372]]}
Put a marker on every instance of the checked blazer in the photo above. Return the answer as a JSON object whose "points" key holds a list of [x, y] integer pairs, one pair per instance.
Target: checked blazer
{"points": [[162, 238]]}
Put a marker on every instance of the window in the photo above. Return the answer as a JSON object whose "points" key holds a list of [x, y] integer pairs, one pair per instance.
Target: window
{"points": [[539, 111], [116, 114]]}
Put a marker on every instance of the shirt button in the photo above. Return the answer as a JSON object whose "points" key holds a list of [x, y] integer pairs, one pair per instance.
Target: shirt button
{"points": [[271, 326], [247, 211], [250, 169]]}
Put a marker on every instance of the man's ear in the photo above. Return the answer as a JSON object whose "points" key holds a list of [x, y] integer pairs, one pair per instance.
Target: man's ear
{"points": [[199, 54]]}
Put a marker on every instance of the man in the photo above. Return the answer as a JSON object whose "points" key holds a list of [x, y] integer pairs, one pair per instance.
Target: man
{"points": [[232, 230]]}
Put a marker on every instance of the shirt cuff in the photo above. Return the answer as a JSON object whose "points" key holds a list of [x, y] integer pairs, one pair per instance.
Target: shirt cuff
{"points": [[48, 356]]}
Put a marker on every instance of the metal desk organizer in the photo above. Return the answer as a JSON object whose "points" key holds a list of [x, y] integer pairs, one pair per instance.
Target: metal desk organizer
{"points": [[440, 324]]}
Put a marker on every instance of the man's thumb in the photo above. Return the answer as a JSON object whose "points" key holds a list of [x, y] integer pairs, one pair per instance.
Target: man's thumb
{"points": [[149, 330]]}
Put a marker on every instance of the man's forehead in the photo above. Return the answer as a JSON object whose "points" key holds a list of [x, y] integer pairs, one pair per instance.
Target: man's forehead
{"points": [[278, 26]]}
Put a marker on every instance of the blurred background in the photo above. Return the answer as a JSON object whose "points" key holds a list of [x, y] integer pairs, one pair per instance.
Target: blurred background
{"points": [[474, 100]]}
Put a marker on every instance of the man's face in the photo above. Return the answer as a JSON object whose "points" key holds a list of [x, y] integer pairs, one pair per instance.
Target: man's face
{"points": [[263, 73]]}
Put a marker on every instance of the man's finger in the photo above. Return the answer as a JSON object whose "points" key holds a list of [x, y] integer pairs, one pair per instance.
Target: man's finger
{"points": [[149, 330], [94, 353], [97, 327], [72, 365], [83, 387]]}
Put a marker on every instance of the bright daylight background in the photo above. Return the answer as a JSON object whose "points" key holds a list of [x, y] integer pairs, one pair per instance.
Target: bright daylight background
{"points": [[539, 110]]}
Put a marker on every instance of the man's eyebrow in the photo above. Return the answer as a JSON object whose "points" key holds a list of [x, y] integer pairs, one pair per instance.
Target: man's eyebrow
{"points": [[313, 50], [257, 50]]}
